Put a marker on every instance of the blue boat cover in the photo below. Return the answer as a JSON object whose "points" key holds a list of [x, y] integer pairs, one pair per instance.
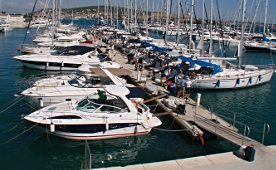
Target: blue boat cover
{"points": [[216, 68], [266, 39]]}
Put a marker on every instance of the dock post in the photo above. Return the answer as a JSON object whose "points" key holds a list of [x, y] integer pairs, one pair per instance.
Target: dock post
{"points": [[139, 75], [198, 98]]}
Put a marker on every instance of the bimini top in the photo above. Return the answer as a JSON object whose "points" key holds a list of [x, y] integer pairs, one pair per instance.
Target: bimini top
{"points": [[216, 68]]}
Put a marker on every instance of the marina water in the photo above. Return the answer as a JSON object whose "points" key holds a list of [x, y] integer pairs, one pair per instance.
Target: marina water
{"points": [[25, 147]]}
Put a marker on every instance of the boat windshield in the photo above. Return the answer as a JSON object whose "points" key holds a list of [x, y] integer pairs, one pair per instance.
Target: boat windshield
{"points": [[91, 106]]}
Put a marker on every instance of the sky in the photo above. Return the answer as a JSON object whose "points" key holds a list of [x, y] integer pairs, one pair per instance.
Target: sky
{"points": [[228, 8]]}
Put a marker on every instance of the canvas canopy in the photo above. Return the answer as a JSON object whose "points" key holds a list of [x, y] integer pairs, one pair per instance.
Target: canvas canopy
{"points": [[216, 68]]}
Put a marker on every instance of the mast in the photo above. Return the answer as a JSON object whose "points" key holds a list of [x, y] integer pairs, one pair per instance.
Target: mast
{"points": [[178, 23], [240, 48], [191, 25], [53, 20], [135, 15], [98, 11], [266, 5], [147, 18], [167, 21], [202, 29], [211, 30], [117, 13], [59, 13]]}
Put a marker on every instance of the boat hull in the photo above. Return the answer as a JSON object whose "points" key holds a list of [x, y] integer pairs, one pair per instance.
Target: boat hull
{"points": [[107, 134], [233, 83]]}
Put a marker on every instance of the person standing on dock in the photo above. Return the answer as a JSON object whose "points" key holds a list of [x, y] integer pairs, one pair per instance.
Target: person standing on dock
{"points": [[180, 87], [188, 85]]}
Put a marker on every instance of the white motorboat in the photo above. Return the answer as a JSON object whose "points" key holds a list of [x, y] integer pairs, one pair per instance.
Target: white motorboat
{"points": [[92, 119], [5, 27], [76, 86], [69, 58]]}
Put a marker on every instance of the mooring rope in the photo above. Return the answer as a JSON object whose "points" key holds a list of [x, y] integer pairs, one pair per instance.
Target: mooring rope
{"points": [[10, 129], [12, 104], [20, 133], [171, 130]]}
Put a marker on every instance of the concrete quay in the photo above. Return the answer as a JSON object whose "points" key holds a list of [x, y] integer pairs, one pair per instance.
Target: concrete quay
{"points": [[265, 158]]}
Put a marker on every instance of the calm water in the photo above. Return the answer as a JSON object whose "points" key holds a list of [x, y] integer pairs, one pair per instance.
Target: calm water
{"points": [[24, 147]]}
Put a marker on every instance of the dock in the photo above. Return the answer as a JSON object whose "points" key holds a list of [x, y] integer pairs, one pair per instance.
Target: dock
{"points": [[195, 120], [200, 117]]}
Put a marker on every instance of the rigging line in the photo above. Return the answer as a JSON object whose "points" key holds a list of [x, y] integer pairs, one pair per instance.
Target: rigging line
{"points": [[29, 22], [15, 99], [11, 105]]}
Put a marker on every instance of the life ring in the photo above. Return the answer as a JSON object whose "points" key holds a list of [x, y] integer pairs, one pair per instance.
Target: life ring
{"points": [[135, 103]]}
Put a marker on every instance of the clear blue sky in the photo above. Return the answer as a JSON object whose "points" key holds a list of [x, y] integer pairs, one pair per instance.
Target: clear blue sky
{"points": [[228, 8]]}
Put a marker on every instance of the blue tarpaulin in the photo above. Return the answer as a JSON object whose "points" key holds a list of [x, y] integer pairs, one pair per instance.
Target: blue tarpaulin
{"points": [[217, 68]]}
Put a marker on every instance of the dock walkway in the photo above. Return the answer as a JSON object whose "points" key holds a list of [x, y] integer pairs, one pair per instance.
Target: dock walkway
{"points": [[199, 115]]}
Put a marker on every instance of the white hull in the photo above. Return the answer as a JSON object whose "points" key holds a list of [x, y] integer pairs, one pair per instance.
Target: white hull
{"points": [[233, 83], [91, 119], [110, 134]]}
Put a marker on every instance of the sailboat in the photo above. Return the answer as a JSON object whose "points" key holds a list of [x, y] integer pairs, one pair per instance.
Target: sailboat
{"points": [[229, 76]]}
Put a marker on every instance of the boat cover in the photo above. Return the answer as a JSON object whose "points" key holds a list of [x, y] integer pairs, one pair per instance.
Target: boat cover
{"points": [[216, 68]]}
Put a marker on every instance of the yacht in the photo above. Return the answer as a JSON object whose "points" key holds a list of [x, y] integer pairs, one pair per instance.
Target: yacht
{"points": [[87, 80], [5, 27], [95, 119], [66, 59]]}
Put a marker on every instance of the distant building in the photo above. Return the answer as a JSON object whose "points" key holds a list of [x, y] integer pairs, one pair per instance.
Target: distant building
{"points": [[16, 21], [5, 18]]}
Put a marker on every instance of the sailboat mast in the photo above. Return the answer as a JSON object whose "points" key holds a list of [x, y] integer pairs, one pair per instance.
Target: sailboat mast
{"points": [[53, 20], [167, 21], [202, 29], [211, 29], [240, 49], [98, 11], [117, 13], [266, 5], [191, 25], [178, 23], [147, 18]]}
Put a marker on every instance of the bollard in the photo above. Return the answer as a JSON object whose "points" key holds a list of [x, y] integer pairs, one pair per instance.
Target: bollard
{"points": [[198, 98], [249, 153], [138, 75]]}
